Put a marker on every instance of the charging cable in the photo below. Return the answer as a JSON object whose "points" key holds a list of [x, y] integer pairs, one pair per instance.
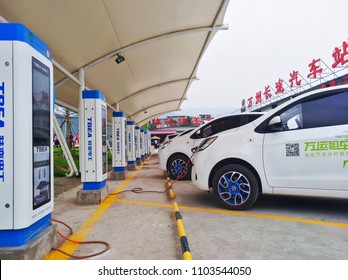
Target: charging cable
{"points": [[107, 246]]}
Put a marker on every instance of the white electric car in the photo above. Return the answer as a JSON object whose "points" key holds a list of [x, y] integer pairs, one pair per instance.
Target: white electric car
{"points": [[299, 148], [175, 153]]}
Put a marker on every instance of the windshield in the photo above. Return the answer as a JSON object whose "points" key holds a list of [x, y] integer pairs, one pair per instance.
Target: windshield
{"points": [[186, 132]]}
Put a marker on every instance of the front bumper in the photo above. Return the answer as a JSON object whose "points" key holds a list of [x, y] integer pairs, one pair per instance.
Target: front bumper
{"points": [[200, 173], [163, 157]]}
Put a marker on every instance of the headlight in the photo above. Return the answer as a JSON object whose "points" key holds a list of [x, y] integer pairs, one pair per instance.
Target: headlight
{"points": [[206, 143], [166, 144]]}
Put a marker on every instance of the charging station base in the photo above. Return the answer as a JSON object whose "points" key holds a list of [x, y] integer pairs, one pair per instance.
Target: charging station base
{"points": [[131, 167], [92, 196], [35, 249], [118, 175]]}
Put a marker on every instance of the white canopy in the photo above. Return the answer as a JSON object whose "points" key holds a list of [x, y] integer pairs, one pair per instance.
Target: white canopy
{"points": [[162, 42]]}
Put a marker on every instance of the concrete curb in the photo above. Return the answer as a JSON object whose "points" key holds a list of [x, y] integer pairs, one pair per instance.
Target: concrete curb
{"points": [[181, 229], [170, 191]]}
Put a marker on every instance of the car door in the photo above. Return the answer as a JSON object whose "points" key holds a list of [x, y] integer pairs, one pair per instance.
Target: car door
{"points": [[310, 150]]}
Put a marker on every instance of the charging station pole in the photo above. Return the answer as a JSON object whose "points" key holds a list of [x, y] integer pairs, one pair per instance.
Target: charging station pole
{"points": [[137, 145], [145, 143], [148, 143], [26, 153], [142, 145], [130, 134], [147, 148], [118, 146], [94, 160]]}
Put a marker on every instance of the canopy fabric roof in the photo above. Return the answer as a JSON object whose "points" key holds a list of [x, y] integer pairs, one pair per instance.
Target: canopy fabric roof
{"points": [[162, 42]]}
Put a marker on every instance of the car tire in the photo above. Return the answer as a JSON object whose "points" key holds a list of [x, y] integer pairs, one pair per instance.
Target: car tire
{"points": [[177, 167], [235, 187]]}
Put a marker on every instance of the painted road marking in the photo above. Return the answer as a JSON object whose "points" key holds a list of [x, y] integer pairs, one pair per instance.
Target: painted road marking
{"points": [[237, 213], [86, 227]]}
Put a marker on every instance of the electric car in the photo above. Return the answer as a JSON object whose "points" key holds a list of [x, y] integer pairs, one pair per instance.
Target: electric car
{"points": [[299, 148], [174, 154]]}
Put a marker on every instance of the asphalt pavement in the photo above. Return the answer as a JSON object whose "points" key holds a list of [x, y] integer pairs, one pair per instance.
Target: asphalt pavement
{"points": [[141, 225]]}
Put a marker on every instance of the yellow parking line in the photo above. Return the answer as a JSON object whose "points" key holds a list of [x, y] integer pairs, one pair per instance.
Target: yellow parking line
{"points": [[149, 178], [163, 205], [241, 214], [89, 223]]}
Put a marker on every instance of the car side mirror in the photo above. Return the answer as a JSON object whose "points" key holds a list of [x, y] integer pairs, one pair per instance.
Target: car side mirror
{"points": [[275, 124]]}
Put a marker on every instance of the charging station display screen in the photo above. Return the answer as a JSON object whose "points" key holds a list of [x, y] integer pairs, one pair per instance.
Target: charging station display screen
{"points": [[41, 134], [104, 138]]}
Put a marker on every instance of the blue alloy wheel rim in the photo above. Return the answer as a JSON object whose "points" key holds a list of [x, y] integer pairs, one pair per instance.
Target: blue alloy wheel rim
{"points": [[177, 167], [234, 188]]}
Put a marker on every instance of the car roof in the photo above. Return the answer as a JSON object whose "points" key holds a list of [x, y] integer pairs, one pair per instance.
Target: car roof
{"points": [[233, 115], [295, 99], [220, 117]]}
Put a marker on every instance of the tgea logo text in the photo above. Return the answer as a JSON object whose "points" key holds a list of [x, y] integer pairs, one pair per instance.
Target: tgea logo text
{"points": [[2, 104]]}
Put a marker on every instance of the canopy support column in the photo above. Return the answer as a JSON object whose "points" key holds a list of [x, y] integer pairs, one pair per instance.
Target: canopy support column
{"points": [[82, 136], [65, 149]]}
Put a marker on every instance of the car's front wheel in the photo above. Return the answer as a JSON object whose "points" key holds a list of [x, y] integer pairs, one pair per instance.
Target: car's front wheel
{"points": [[179, 166], [235, 187]]}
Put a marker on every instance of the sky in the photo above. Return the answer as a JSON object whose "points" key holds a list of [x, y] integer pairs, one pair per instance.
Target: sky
{"points": [[266, 40]]}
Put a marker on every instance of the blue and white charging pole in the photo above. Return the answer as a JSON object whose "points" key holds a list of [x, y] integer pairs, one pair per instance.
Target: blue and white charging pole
{"points": [[137, 145], [26, 154], [147, 147], [118, 146], [145, 143], [142, 146], [130, 140], [93, 151]]}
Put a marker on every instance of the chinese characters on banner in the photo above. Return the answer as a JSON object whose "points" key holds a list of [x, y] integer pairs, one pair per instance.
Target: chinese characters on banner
{"points": [[314, 69], [279, 86], [174, 121], [340, 59], [340, 56]]}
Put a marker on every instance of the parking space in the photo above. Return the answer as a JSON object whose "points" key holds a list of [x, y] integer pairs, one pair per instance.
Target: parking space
{"points": [[141, 225], [277, 227]]}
